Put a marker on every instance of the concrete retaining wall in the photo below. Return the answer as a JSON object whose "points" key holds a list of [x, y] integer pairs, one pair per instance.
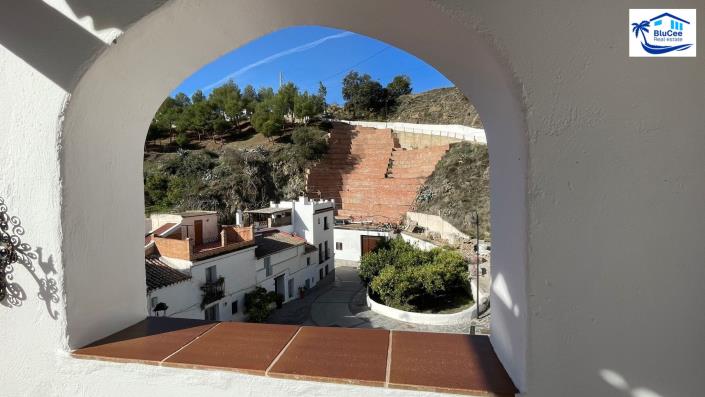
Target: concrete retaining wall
{"points": [[436, 224], [422, 318], [418, 242], [456, 131]]}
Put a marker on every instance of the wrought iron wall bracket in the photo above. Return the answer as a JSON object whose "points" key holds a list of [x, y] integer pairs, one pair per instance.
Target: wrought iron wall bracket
{"points": [[10, 244]]}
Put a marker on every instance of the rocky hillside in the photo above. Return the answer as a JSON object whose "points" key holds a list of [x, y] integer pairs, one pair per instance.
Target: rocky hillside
{"points": [[459, 184], [235, 176], [439, 106]]}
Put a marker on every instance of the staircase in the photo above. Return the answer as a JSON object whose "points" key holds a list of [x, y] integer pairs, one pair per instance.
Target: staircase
{"points": [[370, 178]]}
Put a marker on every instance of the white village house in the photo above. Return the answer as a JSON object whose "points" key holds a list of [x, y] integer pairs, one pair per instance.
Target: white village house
{"points": [[202, 270]]}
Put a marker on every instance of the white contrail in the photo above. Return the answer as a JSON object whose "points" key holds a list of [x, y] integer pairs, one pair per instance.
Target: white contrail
{"points": [[301, 48]]}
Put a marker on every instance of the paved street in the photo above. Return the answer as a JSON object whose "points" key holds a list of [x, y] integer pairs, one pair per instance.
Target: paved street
{"points": [[339, 301]]}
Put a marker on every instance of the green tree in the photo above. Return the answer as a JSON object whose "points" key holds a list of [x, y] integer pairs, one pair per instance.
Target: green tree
{"points": [[228, 103], [182, 100], [155, 187], [322, 94], [268, 118], [265, 93], [306, 106], [400, 85], [197, 97], [249, 99], [409, 278], [200, 116], [287, 96], [362, 94], [181, 139], [167, 116]]}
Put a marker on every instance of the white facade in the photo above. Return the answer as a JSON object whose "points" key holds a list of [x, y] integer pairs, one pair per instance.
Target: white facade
{"points": [[184, 299], [295, 266], [348, 241], [590, 172], [186, 220], [242, 270]]}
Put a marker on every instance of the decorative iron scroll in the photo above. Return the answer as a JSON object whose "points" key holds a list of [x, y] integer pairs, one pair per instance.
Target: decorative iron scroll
{"points": [[15, 253], [10, 243]]}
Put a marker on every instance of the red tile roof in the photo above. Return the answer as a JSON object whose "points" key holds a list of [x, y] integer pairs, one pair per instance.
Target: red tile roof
{"points": [[158, 232], [159, 274]]}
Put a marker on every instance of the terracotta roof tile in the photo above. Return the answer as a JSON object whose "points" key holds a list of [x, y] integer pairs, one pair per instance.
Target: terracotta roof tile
{"points": [[159, 274], [275, 241]]}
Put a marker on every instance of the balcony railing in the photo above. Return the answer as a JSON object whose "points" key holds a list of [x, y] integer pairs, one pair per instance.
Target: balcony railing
{"points": [[271, 222], [212, 291]]}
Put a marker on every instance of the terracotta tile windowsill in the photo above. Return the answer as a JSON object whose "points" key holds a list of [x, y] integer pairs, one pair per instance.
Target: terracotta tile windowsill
{"points": [[372, 357]]}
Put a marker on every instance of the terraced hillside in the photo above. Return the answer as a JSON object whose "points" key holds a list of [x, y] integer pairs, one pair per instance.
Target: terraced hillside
{"points": [[370, 177]]}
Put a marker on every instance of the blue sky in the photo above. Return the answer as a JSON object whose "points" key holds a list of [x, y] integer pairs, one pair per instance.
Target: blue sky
{"points": [[306, 55]]}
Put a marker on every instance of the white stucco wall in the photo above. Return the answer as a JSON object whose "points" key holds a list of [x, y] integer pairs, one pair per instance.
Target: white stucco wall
{"points": [[182, 298], [590, 171], [351, 240]]}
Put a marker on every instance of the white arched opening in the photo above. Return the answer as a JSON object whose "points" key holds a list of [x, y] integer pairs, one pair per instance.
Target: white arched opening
{"points": [[107, 117]]}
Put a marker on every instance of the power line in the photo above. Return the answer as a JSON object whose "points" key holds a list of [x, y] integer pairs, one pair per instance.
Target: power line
{"points": [[386, 47]]}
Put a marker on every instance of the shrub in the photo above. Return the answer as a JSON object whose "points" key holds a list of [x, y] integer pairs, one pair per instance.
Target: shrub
{"points": [[408, 278], [310, 142], [258, 304]]}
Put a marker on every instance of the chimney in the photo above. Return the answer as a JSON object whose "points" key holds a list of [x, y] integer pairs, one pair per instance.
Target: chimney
{"points": [[239, 218]]}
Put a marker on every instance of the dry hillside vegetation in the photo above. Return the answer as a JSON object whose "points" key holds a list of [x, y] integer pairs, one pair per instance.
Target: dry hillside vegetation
{"points": [[459, 184], [439, 106]]}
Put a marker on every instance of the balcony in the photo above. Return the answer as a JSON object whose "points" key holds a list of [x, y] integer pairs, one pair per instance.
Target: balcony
{"points": [[212, 292]]}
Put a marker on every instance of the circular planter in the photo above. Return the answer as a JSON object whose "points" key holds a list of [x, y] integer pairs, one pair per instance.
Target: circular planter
{"points": [[422, 318]]}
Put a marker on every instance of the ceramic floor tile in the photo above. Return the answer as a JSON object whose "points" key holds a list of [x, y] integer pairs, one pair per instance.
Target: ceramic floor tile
{"points": [[344, 355], [244, 347], [151, 340], [447, 362]]}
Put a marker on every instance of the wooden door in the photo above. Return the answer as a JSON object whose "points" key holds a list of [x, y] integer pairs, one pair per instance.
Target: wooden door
{"points": [[369, 243], [198, 232]]}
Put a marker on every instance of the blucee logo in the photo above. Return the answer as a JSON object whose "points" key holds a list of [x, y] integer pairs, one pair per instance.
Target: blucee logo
{"points": [[662, 33]]}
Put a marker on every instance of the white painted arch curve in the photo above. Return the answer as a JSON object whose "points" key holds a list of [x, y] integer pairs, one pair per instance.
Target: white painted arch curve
{"points": [[107, 116]]}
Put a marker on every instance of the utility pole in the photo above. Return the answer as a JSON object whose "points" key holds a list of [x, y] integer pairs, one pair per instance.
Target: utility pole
{"points": [[281, 79], [477, 262]]}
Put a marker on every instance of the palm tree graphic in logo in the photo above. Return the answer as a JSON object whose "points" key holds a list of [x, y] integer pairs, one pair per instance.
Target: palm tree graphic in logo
{"points": [[643, 28]]}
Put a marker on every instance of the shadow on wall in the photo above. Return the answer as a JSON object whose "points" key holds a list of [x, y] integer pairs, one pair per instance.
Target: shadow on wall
{"points": [[55, 45], [12, 252]]}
